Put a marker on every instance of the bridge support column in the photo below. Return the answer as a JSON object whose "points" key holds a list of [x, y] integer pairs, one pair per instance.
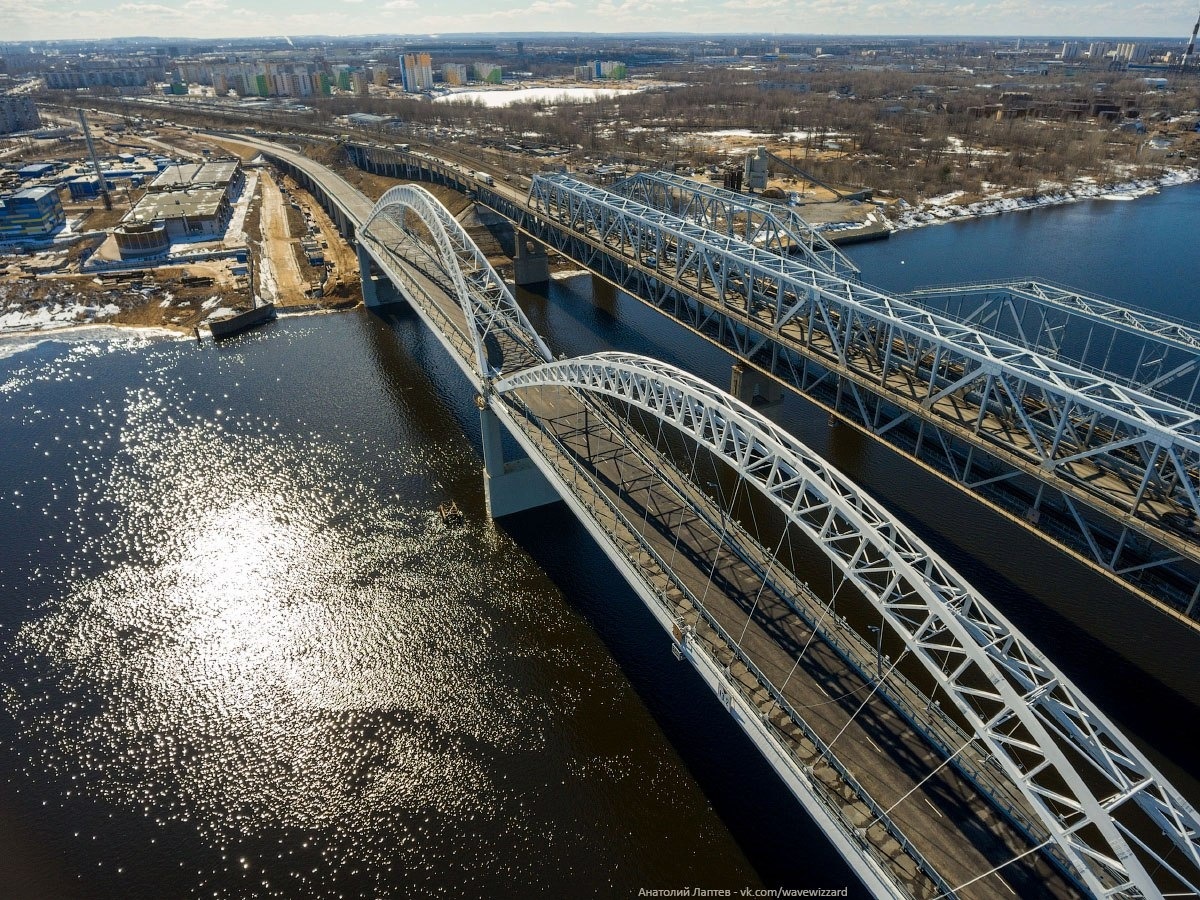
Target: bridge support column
{"points": [[509, 487], [489, 218], [754, 388], [370, 294], [377, 289], [530, 265], [604, 295]]}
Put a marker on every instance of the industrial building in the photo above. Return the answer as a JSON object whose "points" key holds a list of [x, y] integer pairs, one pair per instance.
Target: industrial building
{"points": [[223, 174], [18, 113], [32, 213], [186, 201], [85, 187], [195, 213]]}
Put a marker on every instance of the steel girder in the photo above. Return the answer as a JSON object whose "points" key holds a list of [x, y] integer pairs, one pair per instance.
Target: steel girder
{"points": [[1137, 348], [1124, 454], [486, 301], [1075, 768], [756, 221]]}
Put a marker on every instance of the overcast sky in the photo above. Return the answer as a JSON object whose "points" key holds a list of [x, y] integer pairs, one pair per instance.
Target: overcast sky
{"points": [[42, 19]]}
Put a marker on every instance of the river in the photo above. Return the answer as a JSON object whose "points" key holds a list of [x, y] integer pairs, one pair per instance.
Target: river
{"points": [[241, 656]]}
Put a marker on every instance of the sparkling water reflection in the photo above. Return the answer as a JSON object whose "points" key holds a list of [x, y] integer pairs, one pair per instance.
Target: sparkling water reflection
{"points": [[247, 631]]}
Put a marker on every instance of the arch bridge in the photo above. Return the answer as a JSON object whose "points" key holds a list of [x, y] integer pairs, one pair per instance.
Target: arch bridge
{"points": [[959, 761]]}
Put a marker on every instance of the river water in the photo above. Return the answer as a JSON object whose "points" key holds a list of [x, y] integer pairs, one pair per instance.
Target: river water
{"points": [[240, 655]]}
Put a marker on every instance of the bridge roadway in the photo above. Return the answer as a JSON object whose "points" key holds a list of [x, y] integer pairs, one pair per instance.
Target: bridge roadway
{"points": [[716, 574]]}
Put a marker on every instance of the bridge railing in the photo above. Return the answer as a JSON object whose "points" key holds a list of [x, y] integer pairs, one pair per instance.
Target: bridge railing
{"points": [[833, 803]]}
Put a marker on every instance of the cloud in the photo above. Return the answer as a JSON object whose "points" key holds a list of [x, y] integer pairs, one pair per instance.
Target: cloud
{"points": [[147, 9], [399, 4]]}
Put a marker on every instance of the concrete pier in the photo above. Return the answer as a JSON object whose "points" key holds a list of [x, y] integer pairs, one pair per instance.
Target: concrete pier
{"points": [[530, 265], [754, 388], [513, 486], [377, 288]]}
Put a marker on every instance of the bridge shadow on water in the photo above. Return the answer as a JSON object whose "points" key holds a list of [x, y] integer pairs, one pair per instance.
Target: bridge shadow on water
{"points": [[785, 847]]}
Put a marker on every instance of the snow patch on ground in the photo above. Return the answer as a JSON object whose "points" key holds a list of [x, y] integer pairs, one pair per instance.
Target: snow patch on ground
{"points": [[942, 208]]}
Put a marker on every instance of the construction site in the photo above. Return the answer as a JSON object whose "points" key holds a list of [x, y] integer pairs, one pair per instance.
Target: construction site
{"points": [[168, 231]]}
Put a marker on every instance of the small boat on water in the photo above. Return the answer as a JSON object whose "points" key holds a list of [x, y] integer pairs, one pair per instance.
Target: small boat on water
{"points": [[450, 513]]}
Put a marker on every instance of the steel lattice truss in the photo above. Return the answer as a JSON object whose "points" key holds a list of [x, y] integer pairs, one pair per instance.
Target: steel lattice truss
{"points": [[1104, 804], [486, 301], [756, 221], [1131, 455], [1132, 346]]}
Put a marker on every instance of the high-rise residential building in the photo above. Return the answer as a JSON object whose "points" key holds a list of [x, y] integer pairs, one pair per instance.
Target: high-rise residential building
{"points": [[611, 69], [454, 74], [17, 113], [416, 72], [489, 73], [358, 83], [379, 75], [583, 73], [1129, 52], [1070, 50], [1098, 50]]}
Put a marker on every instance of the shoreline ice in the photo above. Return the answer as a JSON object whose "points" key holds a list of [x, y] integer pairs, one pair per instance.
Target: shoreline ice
{"points": [[938, 210]]}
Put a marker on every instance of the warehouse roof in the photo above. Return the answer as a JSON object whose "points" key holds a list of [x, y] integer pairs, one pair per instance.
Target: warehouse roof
{"points": [[186, 175], [198, 202]]}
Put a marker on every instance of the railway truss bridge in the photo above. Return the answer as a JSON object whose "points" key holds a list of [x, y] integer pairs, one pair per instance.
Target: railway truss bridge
{"points": [[1070, 415]]}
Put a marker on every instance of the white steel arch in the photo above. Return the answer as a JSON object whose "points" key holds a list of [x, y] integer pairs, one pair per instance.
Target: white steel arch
{"points": [[1075, 768], [486, 301]]}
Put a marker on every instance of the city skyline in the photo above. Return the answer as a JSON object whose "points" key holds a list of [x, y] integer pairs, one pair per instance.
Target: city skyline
{"points": [[34, 20]]}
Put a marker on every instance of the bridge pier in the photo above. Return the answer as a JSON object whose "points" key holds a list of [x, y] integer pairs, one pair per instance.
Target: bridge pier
{"points": [[509, 487], [489, 218], [377, 288], [530, 265], [604, 295], [754, 388]]}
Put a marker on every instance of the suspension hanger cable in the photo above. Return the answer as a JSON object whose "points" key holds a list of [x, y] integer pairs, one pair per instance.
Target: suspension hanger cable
{"points": [[866, 700], [762, 587], [813, 633], [907, 793], [993, 871]]}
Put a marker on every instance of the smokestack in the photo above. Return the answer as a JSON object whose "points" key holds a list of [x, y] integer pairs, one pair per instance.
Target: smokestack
{"points": [[1191, 47]]}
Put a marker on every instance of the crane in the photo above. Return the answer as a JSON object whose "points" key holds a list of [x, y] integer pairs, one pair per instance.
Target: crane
{"points": [[87, 136]]}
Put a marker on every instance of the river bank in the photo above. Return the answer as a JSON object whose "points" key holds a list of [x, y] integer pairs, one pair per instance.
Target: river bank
{"points": [[943, 208]]}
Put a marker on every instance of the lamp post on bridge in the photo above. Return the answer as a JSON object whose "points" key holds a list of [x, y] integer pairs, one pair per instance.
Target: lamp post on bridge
{"points": [[878, 631], [715, 487]]}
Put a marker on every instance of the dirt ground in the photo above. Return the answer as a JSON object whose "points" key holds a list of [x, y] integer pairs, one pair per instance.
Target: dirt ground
{"points": [[278, 276]]}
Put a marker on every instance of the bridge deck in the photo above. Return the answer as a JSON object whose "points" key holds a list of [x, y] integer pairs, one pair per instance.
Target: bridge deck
{"points": [[957, 830]]}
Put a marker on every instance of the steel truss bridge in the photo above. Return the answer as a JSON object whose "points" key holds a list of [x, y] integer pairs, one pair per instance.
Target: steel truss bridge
{"points": [[1068, 414], [1002, 769]]}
